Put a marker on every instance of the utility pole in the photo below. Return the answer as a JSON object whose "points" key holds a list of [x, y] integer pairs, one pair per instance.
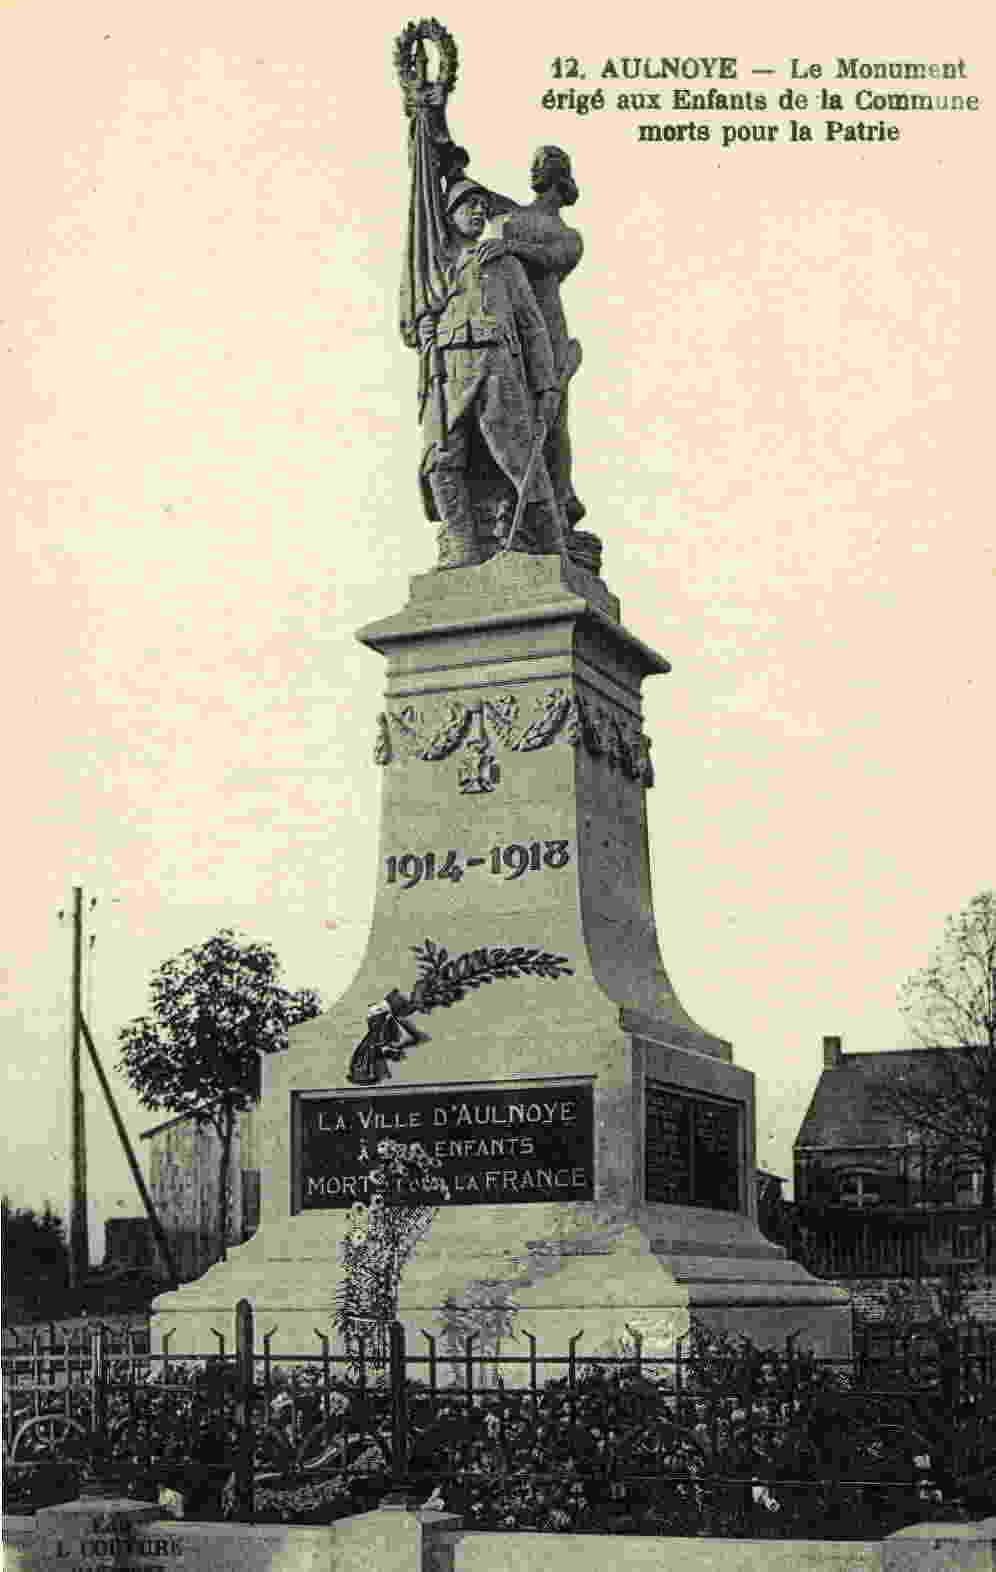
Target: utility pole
{"points": [[79, 1234], [80, 1033], [159, 1232]]}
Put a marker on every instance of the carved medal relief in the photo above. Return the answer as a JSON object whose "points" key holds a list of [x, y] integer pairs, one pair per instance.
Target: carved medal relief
{"points": [[475, 733]]}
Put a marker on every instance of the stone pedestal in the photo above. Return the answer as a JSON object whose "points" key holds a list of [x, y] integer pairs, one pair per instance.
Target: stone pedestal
{"points": [[515, 772], [101, 1532], [942, 1547]]}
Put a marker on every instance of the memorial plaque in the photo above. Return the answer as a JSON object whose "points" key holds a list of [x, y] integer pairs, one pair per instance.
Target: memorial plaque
{"points": [[692, 1150], [496, 1144], [668, 1147], [715, 1155]]}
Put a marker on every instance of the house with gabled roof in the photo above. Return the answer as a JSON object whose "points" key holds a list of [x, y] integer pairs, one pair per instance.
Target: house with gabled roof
{"points": [[872, 1196]]}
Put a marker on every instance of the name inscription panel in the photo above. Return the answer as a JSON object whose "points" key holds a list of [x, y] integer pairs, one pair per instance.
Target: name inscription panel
{"points": [[495, 1144], [692, 1150], [115, 1540]]}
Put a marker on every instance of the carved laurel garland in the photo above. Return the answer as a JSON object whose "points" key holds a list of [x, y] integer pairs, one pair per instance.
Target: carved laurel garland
{"points": [[503, 713], [623, 746], [416, 742], [415, 734]]}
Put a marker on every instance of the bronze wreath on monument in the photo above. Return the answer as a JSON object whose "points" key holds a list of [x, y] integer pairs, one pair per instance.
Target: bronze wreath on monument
{"points": [[431, 146], [410, 60], [442, 981]]}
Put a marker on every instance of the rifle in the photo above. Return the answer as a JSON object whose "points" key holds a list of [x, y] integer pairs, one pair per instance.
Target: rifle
{"points": [[520, 506], [573, 361]]}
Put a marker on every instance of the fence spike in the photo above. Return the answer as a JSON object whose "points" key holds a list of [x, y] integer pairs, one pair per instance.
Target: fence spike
{"points": [[468, 1366], [533, 1383], [432, 1360], [966, 1361], [638, 1341]]}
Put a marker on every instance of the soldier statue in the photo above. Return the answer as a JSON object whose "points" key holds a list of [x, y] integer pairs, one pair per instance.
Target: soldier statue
{"points": [[498, 379], [480, 301]]}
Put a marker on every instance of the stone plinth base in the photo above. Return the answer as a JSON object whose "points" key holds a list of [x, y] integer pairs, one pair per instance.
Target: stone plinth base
{"points": [[99, 1531], [613, 1284], [942, 1547], [552, 1271], [514, 825], [381, 1541]]}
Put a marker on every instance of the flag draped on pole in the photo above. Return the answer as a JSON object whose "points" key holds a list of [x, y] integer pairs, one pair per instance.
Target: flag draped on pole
{"points": [[433, 158]]}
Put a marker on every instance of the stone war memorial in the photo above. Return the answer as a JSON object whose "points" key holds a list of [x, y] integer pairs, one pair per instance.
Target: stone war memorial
{"points": [[512, 1012]]}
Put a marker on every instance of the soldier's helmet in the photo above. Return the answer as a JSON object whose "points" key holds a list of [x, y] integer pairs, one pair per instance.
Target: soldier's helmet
{"points": [[460, 191]]}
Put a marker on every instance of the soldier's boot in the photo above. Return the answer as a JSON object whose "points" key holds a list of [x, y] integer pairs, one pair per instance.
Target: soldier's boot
{"points": [[459, 542], [574, 508]]}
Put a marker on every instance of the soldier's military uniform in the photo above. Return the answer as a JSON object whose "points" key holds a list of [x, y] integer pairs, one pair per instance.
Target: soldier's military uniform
{"points": [[497, 357]]}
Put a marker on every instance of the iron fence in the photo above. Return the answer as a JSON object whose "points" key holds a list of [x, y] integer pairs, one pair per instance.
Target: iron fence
{"points": [[920, 1244], [718, 1438]]}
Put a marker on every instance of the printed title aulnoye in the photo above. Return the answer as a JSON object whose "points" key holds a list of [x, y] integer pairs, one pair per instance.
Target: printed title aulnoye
{"points": [[727, 68]]}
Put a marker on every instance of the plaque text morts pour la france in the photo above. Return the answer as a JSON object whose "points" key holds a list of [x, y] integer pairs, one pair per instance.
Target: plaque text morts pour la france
{"points": [[496, 1144]]}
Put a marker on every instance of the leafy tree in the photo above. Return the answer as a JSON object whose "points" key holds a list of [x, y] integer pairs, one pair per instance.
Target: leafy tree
{"points": [[35, 1258], [214, 1009], [951, 1003]]}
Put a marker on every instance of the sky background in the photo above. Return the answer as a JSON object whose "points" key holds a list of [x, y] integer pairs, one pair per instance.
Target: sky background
{"points": [[782, 432]]}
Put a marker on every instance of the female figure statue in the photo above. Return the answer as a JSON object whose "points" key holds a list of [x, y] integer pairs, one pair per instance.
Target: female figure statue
{"points": [[549, 251]]}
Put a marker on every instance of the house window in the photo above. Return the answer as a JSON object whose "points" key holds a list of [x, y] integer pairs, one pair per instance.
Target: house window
{"points": [[968, 1187], [860, 1190], [967, 1243]]}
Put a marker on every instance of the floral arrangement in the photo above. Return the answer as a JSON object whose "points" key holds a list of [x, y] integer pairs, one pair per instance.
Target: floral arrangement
{"points": [[733, 1441], [381, 1237]]}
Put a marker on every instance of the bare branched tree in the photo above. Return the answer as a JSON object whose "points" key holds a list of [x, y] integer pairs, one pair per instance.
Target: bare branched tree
{"points": [[951, 1004]]}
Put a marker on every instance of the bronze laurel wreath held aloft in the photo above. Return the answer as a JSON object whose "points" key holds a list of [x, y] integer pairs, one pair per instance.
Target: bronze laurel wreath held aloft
{"points": [[424, 97], [410, 59]]}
